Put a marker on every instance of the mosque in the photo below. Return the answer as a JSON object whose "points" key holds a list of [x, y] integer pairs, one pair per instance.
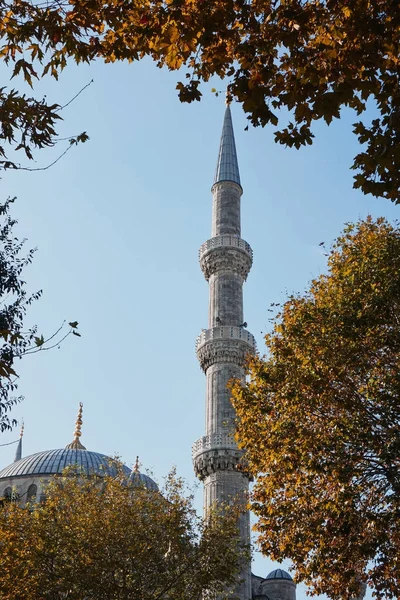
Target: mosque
{"points": [[225, 260]]}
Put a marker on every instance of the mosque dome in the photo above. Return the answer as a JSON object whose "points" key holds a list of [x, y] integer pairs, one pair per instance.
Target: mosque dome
{"points": [[140, 479], [279, 574], [278, 585], [53, 462], [144, 480]]}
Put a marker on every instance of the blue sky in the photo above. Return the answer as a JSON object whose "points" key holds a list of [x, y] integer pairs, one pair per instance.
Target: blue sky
{"points": [[118, 223]]}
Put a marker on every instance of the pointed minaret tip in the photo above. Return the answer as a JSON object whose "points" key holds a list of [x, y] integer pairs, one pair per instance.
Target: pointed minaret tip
{"points": [[76, 443], [18, 452], [227, 164]]}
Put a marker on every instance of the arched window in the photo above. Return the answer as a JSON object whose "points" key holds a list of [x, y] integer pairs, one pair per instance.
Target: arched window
{"points": [[7, 493], [32, 493]]}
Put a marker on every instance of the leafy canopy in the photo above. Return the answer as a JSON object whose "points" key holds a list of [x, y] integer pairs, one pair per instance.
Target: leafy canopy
{"points": [[311, 57], [103, 539], [320, 421]]}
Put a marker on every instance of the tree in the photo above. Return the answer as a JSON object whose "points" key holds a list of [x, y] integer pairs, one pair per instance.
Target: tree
{"points": [[310, 57], [105, 539], [15, 340], [320, 421]]}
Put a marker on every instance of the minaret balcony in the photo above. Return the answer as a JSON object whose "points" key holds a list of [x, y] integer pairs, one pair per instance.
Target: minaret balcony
{"points": [[226, 332], [224, 344], [225, 252], [215, 452], [213, 442]]}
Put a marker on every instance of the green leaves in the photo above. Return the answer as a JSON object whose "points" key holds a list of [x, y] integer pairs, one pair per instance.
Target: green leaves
{"points": [[27, 69], [39, 341]]}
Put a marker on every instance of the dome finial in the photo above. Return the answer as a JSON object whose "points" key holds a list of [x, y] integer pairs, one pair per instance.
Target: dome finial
{"points": [[136, 465], [76, 444], [78, 422], [21, 433], [228, 98]]}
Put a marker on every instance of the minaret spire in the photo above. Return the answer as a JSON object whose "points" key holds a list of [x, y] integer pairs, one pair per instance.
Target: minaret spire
{"points": [[227, 163], [225, 260], [18, 452]]}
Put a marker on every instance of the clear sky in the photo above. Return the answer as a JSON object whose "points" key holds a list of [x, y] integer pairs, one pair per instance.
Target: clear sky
{"points": [[118, 223]]}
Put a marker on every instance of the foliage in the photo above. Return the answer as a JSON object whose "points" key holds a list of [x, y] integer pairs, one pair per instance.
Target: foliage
{"points": [[15, 341], [311, 57], [320, 420], [104, 539]]}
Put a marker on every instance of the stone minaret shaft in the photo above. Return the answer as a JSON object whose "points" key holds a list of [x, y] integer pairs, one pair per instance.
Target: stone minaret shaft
{"points": [[225, 260]]}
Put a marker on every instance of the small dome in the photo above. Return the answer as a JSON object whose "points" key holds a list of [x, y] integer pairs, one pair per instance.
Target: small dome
{"points": [[140, 479], [279, 574], [53, 462]]}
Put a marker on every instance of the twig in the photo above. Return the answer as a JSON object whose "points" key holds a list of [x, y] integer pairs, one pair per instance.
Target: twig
{"points": [[48, 166], [42, 349], [9, 443], [76, 95]]}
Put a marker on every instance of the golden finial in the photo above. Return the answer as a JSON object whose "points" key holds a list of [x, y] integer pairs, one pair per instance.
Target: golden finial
{"points": [[21, 433], [228, 98], [78, 422], [136, 465], [76, 444]]}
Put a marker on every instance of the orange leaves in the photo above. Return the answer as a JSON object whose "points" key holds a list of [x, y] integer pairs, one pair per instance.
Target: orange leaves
{"points": [[346, 11], [320, 418], [312, 58], [103, 537]]}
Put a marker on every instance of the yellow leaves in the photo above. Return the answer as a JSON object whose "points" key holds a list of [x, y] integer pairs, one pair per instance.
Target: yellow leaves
{"points": [[305, 49], [173, 60], [245, 62], [346, 11], [173, 33], [294, 25], [314, 417], [103, 537]]}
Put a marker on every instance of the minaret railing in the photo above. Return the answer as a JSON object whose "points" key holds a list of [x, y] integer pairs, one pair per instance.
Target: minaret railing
{"points": [[225, 241], [215, 440], [226, 332]]}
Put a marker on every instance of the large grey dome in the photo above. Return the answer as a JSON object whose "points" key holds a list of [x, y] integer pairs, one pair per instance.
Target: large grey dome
{"points": [[53, 462], [279, 574]]}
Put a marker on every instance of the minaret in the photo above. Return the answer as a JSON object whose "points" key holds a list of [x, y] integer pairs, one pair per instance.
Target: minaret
{"points": [[225, 260], [18, 452]]}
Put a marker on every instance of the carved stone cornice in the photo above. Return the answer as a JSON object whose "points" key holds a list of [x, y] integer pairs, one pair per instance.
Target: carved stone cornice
{"points": [[224, 345], [225, 252], [222, 351], [217, 459], [226, 259], [217, 452]]}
